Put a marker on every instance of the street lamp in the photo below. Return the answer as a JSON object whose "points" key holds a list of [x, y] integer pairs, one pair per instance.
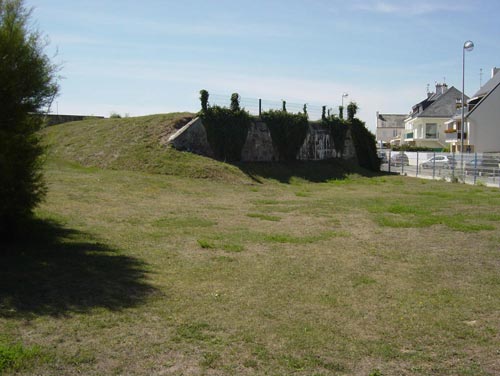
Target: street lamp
{"points": [[344, 95], [468, 46]]}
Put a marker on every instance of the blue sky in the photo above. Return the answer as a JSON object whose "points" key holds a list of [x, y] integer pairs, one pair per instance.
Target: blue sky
{"points": [[153, 56]]}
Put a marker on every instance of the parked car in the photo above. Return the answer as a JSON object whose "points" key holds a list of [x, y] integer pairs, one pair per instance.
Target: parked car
{"points": [[484, 165], [400, 159], [439, 161]]}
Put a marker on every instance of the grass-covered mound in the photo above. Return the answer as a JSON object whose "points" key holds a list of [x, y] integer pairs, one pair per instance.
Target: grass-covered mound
{"points": [[136, 143], [139, 144]]}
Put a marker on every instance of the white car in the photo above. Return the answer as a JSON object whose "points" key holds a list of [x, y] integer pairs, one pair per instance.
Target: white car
{"points": [[439, 161]]}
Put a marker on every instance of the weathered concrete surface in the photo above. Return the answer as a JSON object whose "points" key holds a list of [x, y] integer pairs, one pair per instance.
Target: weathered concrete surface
{"points": [[319, 145], [193, 138], [258, 147]]}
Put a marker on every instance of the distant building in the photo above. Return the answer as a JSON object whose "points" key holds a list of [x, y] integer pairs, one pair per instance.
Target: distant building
{"points": [[482, 120], [428, 119], [389, 127]]}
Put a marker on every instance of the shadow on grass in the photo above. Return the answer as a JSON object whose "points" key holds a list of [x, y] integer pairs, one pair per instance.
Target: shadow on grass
{"points": [[55, 271], [312, 171]]}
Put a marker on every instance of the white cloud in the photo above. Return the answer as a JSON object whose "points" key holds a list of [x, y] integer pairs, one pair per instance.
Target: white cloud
{"points": [[410, 9]]}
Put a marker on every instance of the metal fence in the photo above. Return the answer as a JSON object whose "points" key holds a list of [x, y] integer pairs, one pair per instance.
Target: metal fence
{"points": [[470, 168], [254, 105]]}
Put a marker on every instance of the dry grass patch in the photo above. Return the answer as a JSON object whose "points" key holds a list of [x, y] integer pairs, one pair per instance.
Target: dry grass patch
{"points": [[143, 273]]}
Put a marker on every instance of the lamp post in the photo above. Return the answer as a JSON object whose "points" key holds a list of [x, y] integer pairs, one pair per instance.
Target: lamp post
{"points": [[344, 95], [468, 46]]}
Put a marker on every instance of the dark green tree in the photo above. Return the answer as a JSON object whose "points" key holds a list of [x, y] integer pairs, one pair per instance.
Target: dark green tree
{"points": [[323, 113], [28, 84], [352, 108], [341, 112], [235, 102], [288, 132], [204, 100]]}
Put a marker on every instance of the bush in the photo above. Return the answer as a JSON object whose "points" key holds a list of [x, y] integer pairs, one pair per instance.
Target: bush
{"points": [[28, 83], [365, 145], [204, 100], [227, 128], [288, 132], [338, 131], [352, 108], [411, 148]]}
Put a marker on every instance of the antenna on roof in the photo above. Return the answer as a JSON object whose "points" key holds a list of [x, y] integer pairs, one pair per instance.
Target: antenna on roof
{"points": [[480, 77], [428, 86], [444, 80]]}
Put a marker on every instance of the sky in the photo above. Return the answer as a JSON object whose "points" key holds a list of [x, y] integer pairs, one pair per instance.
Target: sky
{"points": [[154, 56]]}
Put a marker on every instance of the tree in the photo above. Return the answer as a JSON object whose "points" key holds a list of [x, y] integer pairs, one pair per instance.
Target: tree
{"points": [[204, 100], [352, 108], [28, 84], [235, 102]]}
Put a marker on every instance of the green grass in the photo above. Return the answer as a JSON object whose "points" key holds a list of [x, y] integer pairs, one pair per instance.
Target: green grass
{"points": [[15, 356], [134, 272]]}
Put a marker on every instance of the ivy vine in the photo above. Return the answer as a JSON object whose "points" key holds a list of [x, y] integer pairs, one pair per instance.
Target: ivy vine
{"points": [[227, 128], [338, 130], [288, 132], [365, 145]]}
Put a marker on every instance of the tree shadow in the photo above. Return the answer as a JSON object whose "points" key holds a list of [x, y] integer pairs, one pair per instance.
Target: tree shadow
{"points": [[55, 271], [312, 171]]}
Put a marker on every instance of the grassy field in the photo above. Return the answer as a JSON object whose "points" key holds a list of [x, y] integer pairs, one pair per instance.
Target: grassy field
{"points": [[272, 269]]}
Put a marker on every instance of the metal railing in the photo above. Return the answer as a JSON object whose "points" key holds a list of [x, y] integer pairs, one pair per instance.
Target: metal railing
{"points": [[470, 168], [256, 105]]}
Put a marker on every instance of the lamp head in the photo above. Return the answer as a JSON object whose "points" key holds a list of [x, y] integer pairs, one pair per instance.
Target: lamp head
{"points": [[345, 95], [469, 45]]}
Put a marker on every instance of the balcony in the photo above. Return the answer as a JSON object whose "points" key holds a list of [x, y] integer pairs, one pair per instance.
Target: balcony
{"points": [[454, 136]]}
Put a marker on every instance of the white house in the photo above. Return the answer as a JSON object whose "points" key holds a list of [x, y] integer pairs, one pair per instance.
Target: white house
{"points": [[482, 120], [428, 119], [389, 127]]}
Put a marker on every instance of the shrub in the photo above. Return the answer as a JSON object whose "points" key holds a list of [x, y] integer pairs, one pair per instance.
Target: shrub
{"points": [[28, 83], [235, 102], [338, 131], [115, 115], [288, 132], [365, 145], [411, 148], [227, 128], [352, 108], [204, 99]]}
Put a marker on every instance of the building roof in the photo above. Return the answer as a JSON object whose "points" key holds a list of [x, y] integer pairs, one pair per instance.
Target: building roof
{"points": [[488, 86], [390, 120], [438, 105]]}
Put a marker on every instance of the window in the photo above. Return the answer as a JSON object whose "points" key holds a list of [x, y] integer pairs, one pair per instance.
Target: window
{"points": [[431, 130]]}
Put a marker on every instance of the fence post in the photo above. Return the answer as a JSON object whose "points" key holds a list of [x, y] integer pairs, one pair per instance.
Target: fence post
{"points": [[453, 163], [475, 168], [402, 163], [260, 107], [416, 173], [433, 165], [389, 162]]}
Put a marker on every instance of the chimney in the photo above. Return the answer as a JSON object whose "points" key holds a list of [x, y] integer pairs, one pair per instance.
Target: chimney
{"points": [[494, 71], [441, 88]]}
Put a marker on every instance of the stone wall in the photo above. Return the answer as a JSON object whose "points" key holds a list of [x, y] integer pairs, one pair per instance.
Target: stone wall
{"points": [[258, 147]]}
